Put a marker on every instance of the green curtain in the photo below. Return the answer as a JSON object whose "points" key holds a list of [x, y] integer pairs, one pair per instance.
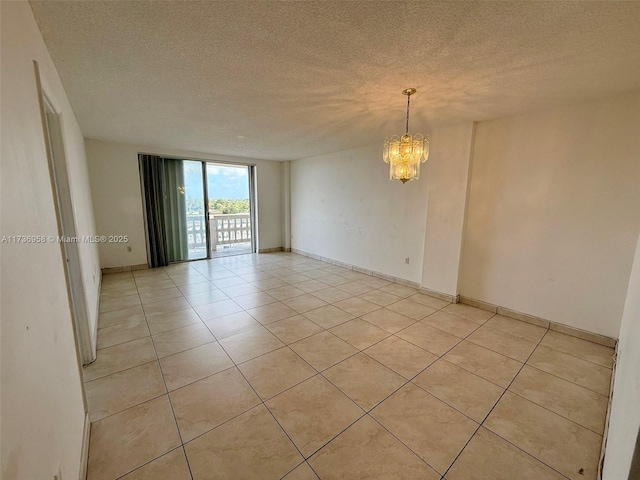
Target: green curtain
{"points": [[165, 209], [151, 175], [175, 212]]}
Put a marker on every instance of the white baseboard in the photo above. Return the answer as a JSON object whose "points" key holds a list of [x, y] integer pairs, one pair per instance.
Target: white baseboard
{"points": [[127, 268], [575, 332], [271, 250], [541, 322], [84, 454], [442, 296], [94, 334], [355, 268]]}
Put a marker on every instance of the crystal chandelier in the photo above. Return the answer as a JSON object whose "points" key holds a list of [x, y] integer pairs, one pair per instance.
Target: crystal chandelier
{"points": [[405, 154]]}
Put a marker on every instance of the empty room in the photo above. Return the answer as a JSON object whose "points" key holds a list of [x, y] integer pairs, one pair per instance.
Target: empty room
{"points": [[320, 240]]}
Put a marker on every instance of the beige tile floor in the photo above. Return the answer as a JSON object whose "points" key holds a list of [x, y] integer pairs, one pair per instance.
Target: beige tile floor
{"points": [[279, 366]]}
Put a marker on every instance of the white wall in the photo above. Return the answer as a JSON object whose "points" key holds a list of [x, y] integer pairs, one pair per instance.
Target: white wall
{"points": [[115, 185], [451, 150], [553, 212], [625, 414], [269, 177], [43, 410], [344, 207]]}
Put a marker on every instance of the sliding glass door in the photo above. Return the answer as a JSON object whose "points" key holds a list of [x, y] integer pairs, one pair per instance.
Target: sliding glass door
{"points": [[195, 201], [196, 210], [185, 224], [175, 219]]}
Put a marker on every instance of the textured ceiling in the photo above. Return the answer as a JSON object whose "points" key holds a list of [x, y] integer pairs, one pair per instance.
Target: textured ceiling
{"points": [[287, 80]]}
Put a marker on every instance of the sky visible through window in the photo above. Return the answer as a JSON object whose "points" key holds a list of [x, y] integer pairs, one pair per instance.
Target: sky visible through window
{"points": [[224, 181]]}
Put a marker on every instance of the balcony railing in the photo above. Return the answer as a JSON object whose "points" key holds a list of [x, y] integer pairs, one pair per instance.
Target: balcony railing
{"points": [[196, 233], [230, 229], [226, 229]]}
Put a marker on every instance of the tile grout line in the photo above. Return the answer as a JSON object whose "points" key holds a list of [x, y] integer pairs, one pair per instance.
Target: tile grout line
{"points": [[263, 325], [569, 381], [150, 461], [575, 356], [321, 372], [555, 413], [481, 424], [169, 396], [262, 402], [532, 366], [173, 413], [168, 399], [430, 394], [216, 339], [402, 386]]}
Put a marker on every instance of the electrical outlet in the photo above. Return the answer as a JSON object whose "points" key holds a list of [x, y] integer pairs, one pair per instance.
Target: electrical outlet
{"points": [[406, 260]]}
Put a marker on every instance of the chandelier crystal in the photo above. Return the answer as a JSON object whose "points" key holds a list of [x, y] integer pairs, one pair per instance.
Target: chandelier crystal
{"points": [[405, 154]]}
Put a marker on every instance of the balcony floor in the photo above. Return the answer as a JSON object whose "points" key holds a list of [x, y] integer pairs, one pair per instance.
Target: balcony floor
{"points": [[235, 249], [222, 251]]}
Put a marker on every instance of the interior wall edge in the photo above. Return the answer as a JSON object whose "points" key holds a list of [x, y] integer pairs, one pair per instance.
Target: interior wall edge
{"points": [[624, 420], [447, 201]]}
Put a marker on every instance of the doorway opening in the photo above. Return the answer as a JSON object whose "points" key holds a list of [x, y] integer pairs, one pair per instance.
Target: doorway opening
{"points": [[67, 228], [230, 211]]}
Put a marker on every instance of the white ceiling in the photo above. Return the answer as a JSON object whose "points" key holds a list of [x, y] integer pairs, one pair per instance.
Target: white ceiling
{"points": [[287, 80]]}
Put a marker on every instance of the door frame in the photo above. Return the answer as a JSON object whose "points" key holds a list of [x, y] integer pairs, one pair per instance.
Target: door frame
{"points": [[207, 220], [251, 169], [253, 211], [53, 129]]}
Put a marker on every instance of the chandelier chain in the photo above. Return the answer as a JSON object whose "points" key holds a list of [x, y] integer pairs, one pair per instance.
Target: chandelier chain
{"points": [[407, 124]]}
